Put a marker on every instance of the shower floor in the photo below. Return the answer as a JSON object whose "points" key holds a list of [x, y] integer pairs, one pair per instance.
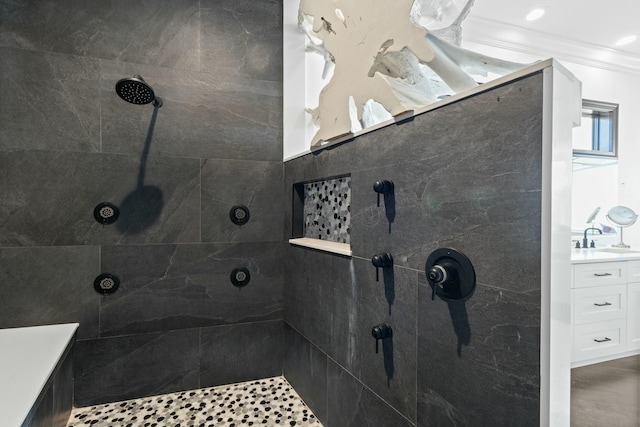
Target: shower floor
{"points": [[266, 402]]}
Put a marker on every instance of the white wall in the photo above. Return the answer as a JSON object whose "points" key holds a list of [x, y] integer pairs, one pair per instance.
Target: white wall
{"points": [[616, 80], [606, 75]]}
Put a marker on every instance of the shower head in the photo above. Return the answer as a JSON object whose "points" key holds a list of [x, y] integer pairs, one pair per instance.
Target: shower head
{"points": [[136, 91]]}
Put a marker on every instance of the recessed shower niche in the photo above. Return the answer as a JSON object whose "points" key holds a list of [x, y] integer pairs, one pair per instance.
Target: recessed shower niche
{"points": [[322, 214]]}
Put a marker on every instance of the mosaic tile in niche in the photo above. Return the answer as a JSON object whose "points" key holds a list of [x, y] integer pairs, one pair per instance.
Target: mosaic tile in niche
{"points": [[327, 209]]}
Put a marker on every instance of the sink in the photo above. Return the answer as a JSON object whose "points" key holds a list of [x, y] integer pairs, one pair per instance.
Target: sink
{"points": [[618, 251]]}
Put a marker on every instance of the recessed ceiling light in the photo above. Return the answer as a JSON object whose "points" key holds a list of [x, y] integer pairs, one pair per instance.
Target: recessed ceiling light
{"points": [[626, 40], [535, 14]]}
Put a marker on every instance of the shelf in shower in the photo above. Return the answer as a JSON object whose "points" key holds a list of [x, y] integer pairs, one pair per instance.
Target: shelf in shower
{"points": [[323, 245]]}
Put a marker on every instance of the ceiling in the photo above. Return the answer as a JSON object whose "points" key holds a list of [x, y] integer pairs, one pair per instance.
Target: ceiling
{"points": [[593, 22]]}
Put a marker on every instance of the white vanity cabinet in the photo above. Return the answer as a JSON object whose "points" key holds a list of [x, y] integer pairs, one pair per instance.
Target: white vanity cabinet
{"points": [[605, 311], [633, 304]]}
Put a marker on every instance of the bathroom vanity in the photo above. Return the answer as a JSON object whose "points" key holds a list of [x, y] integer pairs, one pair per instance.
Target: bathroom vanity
{"points": [[605, 292]]}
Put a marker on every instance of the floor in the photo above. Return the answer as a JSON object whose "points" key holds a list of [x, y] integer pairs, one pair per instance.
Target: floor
{"points": [[606, 394], [266, 402]]}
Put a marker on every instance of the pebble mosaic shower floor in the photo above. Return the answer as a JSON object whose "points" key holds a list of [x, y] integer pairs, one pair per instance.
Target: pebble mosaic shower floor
{"points": [[266, 402]]}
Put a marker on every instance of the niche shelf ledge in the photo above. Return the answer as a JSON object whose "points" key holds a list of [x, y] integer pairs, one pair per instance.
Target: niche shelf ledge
{"points": [[323, 245]]}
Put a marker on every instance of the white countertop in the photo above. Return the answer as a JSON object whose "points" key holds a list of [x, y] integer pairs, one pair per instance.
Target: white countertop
{"points": [[604, 254], [28, 356]]}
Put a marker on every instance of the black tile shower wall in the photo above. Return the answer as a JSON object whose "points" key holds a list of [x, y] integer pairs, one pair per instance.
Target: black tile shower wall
{"points": [[205, 114], [188, 286], [251, 350], [254, 184], [164, 34], [467, 176], [50, 101], [68, 143], [124, 367], [305, 367], [49, 198], [49, 285]]}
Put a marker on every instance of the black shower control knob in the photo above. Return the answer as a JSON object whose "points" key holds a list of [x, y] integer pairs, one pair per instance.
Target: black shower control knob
{"points": [[383, 260], [383, 187], [381, 332], [438, 274], [450, 275]]}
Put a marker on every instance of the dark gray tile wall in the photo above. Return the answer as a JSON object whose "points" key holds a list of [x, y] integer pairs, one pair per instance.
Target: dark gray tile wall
{"points": [[49, 285], [125, 367], [305, 367], [226, 359], [68, 142], [466, 176], [188, 286]]}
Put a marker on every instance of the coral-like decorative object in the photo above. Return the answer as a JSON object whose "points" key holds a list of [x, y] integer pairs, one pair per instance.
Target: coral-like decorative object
{"points": [[380, 53]]}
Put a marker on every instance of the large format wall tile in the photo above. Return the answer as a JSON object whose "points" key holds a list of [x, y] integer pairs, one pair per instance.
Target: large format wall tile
{"points": [[160, 33], [48, 101], [183, 286], [49, 197], [488, 217], [320, 290], [256, 185], [43, 286], [305, 367], [336, 302], [242, 38], [479, 359], [390, 373], [240, 352], [353, 405], [203, 115], [127, 367], [467, 176], [68, 143]]}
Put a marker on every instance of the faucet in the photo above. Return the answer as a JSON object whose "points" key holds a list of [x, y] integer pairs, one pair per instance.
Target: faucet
{"points": [[585, 241]]}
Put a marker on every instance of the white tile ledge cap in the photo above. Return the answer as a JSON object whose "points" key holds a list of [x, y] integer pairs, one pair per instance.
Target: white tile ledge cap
{"points": [[323, 245], [28, 357]]}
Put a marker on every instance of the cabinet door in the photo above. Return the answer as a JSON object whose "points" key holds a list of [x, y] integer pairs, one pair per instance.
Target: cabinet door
{"points": [[633, 316], [599, 303], [633, 268], [599, 274]]}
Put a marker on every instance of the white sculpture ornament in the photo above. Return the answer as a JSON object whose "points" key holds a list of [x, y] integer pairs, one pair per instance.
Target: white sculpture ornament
{"points": [[379, 53]]}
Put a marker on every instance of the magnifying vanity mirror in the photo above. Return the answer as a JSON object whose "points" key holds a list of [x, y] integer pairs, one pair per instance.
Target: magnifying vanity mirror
{"points": [[621, 216]]}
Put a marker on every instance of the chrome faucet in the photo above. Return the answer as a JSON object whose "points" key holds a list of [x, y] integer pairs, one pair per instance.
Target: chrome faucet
{"points": [[585, 241]]}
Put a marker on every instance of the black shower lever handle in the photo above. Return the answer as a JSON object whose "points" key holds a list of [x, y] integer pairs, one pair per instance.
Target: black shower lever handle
{"points": [[383, 187], [438, 274], [381, 260], [381, 332]]}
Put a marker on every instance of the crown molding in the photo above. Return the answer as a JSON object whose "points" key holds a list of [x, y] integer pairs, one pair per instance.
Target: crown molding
{"points": [[512, 37]]}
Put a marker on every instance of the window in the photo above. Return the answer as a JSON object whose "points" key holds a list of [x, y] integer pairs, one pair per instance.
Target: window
{"points": [[598, 133]]}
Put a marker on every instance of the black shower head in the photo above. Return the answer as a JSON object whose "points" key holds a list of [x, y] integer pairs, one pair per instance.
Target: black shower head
{"points": [[136, 91]]}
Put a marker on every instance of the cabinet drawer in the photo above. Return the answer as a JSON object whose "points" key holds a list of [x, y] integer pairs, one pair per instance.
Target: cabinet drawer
{"points": [[600, 303], [599, 339], [599, 273]]}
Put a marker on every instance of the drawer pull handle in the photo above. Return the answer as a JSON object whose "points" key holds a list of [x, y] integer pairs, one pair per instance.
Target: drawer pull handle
{"points": [[602, 274], [602, 305], [602, 340]]}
